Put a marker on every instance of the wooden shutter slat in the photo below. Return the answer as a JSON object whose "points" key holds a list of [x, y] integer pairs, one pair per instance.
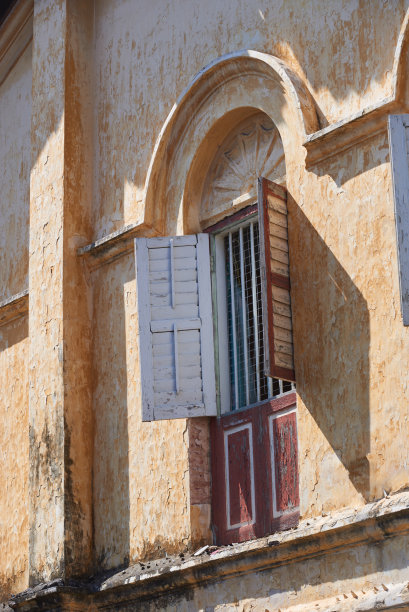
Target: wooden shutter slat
{"points": [[179, 275], [278, 230], [182, 252], [283, 347], [280, 295], [175, 327], [281, 309], [279, 243], [280, 256], [279, 353], [160, 242], [277, 218], [283, 334], [282, 360]]}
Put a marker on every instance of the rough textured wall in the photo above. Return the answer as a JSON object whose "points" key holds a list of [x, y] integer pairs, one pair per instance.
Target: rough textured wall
{"points": [[59, 309], [13, 456], [350, 342], [345, 289], [338, 581], [15, 158], [141, 483], [146, 55]]}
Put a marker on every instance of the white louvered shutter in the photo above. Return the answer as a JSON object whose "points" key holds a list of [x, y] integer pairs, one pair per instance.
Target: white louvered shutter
{"points": [[399, 152], [175, 327]]}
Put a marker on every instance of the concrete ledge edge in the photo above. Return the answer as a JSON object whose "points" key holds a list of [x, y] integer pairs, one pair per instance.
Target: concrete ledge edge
{"points": [[372, 523]]}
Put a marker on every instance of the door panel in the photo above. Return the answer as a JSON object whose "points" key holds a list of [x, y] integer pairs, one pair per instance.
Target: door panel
{"points": [[255, 471]]}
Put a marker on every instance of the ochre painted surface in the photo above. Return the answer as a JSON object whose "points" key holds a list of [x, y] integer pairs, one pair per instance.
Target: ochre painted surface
{"points": [[141, 476], [60, 301], [105, 488], [15, 159], [14, 456], [349, 354], [145, 58]]}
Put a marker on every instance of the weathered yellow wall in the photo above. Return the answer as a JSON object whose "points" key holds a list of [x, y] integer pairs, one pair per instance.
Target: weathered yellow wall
{"points": [[351, 348], [145, 57], [350, 341], [140, 469], [344, 267], [15, 160], [60, 310], [14, 466]]}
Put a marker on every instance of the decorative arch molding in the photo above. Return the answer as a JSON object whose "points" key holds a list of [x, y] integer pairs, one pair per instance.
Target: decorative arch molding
{"points": [[401, 64], [228, 90]]}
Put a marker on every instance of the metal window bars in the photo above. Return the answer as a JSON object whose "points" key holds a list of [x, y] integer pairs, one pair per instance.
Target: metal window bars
{"points": [[249, 384]]}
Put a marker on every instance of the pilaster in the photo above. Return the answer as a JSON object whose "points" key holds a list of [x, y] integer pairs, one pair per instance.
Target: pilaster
{"points": [[60, 496]]}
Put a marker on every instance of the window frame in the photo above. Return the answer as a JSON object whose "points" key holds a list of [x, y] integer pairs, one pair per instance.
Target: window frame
{"points": [[252, 463], [217, 232]]}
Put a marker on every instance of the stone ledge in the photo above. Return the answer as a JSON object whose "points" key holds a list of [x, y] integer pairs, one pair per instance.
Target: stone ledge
{"points": [[381, 597], [114, 245], [13, 307], [371, 524], [342, 135]]}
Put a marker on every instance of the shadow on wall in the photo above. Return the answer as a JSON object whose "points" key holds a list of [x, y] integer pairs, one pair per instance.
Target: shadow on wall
{"points": [[331, 328], [338, 49], [111, 442], [13, 332]]}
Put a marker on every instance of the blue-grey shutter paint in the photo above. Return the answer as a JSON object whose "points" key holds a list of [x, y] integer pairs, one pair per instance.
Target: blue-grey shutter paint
{"points": [[175, 327], [399, 147]]}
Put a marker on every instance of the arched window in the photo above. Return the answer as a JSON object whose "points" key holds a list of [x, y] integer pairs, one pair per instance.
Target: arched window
{"points": [[215, 318]]}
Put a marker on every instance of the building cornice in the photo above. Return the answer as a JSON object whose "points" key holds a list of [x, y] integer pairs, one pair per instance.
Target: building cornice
{"points": [[372, 524], [349, 132], [114, 245], [14, 307]]}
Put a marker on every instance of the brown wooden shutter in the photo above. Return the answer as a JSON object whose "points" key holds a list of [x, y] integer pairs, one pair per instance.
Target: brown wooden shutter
{"points": [[275, 275]]}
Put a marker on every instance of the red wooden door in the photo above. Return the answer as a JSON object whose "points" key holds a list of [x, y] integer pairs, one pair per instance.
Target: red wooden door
{"points": [[255, 471]]}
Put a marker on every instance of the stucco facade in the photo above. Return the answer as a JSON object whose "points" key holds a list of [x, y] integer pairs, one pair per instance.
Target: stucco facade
{"points": [[114, 117]]}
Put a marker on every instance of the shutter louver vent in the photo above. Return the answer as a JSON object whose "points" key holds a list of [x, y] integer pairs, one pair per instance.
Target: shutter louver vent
{"points": [[274, 261], [175, 327]]}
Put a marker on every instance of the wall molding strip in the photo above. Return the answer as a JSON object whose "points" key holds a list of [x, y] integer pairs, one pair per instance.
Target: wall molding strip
{"points": [[14, 307], [342, 135]]}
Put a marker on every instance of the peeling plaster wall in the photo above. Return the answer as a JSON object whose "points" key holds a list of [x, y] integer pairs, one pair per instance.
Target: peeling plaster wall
{"points": [[140, 469], [15, 158], [351, 348], [145, 57], [351, 400], [350, 353], [14, 466]]}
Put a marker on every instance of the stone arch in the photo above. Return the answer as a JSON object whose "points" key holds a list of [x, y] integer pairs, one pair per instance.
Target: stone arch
{"points": [[225, 92], [225, 178], [400, 81]]}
